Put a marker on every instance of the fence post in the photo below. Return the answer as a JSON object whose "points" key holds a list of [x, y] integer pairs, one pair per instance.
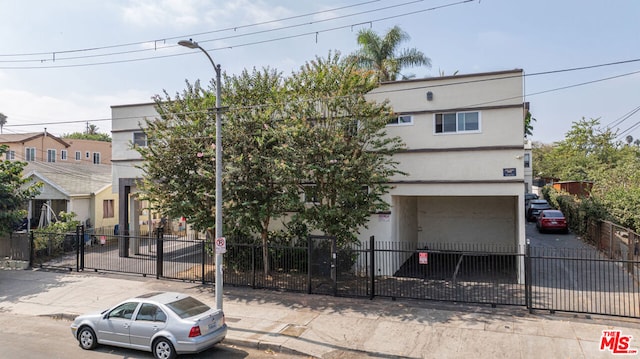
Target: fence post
{"points": [[78, 245], [203, 250], [32, 249], [528, 287], [372, 272], [159, 252], [82, 244], [309, 264], [334, 265], [253, 265]]}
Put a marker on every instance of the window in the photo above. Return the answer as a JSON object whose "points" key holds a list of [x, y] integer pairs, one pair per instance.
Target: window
{"points": [[401, 120], [30, 154], [51, 155], [457, 122], [107, 208], [311, 194], [63, 155], [11, 155], [96, 158], [78, 155], [87, 154], [139, 139], [150, 312], [123, 311], [527, 160]]}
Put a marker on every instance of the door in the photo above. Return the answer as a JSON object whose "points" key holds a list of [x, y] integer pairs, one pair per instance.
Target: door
{"points": [[113, 329], [149, 320]]}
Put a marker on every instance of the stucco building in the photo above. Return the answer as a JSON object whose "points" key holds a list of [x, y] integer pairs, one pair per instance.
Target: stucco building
{"points": [[465, 161]]}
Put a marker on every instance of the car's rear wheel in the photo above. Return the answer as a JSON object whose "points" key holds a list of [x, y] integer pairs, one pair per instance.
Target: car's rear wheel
{"points": [[87, 338], [163, 349]]}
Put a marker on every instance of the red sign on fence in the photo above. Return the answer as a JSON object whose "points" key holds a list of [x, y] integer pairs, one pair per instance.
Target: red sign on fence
{"points": [[423, 258]]}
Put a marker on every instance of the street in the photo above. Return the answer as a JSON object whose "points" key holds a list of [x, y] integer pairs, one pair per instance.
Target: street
{"points": [[41, 337]]}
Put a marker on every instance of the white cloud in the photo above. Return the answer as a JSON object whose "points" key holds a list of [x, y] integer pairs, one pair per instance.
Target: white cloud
{"points": [[169, 13]]}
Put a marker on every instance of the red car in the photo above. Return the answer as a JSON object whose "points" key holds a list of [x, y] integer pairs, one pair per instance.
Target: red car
{"points": [[552, 220]]}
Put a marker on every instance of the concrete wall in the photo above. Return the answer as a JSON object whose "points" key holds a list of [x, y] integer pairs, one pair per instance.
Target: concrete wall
{"points": [[475, 220]]}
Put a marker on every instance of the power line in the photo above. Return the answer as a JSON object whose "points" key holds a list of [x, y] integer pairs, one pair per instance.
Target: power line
{"points": [[234, 28], [306, 34], [388, 91]]}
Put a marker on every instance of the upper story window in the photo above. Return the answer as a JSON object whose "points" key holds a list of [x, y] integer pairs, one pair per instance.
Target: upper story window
{"points": [[87, 154], [311, 194], [51, 155], [527, 160], [78, 155], [401, 120], [30, 154], [139, 139], [455, 122], [63, 155], [10, 155], [96, 158]]}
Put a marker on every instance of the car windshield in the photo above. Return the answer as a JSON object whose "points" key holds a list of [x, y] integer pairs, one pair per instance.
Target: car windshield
{"points": [[188, 307], [554, 214], [540, 205]]}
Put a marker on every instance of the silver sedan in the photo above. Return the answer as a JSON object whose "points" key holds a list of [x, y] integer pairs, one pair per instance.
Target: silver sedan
{"points": [[164, 323]]}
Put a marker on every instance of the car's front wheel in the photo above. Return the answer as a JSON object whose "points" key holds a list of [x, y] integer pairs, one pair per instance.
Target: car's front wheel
{"points": [[87, 338], [163, 349]]}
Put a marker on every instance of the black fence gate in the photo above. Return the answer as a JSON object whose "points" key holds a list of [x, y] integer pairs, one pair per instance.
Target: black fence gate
{"points": [[540, 278]]}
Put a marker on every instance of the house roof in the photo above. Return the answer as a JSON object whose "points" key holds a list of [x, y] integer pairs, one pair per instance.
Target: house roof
{"points": [[71, 179], [24, 137]]}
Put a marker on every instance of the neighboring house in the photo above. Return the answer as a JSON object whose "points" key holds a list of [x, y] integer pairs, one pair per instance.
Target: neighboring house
{"points": [[576, 188], [465, 159], [45, 147], [72, 188], [76, 175]]}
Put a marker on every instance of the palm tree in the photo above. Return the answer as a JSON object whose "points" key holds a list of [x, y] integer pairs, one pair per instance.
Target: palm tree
{"points": [[3, 121], [380, 54]]}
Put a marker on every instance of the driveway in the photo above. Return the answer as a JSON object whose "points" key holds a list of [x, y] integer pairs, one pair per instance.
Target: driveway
{"points": [[570, 275]]}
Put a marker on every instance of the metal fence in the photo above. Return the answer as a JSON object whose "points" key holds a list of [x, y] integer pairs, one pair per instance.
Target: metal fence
{"points": [[582, 280]]}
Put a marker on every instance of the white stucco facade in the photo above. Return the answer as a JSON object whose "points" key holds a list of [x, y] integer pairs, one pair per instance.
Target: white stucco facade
{"points": [[462, 187], [464, 160]]}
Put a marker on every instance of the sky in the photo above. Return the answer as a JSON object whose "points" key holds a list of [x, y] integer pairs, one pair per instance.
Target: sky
{"points": [[64, 63]]}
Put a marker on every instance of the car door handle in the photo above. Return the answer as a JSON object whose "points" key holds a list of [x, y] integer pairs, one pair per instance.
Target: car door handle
{"points": [[126, 325]]}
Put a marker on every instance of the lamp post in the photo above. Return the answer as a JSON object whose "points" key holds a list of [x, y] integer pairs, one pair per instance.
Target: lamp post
{"points": [[218, 230]]}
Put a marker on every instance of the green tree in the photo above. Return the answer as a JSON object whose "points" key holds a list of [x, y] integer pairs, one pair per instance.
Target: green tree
{"points": [[345, 158], [90, 134], [528, 124], [589, 153], [585, 152], [258, 175], [14, 192], [3, 121], [383, 56], [179, 161]]}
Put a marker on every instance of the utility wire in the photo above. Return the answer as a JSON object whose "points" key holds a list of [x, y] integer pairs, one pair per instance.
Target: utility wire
{"points": [[235, 28], [397, 90], [311, 33]]}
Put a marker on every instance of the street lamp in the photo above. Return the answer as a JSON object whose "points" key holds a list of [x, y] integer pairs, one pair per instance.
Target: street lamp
{"points": [[218, 232]]}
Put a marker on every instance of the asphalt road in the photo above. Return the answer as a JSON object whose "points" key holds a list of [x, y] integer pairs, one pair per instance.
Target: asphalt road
{"points": [[36, 337]]}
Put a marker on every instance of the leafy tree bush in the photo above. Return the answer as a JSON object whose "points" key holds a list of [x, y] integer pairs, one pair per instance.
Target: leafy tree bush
{"points": [[14, 192]]}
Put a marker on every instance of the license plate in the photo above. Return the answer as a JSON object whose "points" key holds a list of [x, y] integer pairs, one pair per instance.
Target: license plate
{"points": [[212, 325], [554, 222]]}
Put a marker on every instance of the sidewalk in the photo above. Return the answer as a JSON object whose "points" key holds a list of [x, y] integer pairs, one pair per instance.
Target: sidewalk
{"points": [[329, 327]]}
